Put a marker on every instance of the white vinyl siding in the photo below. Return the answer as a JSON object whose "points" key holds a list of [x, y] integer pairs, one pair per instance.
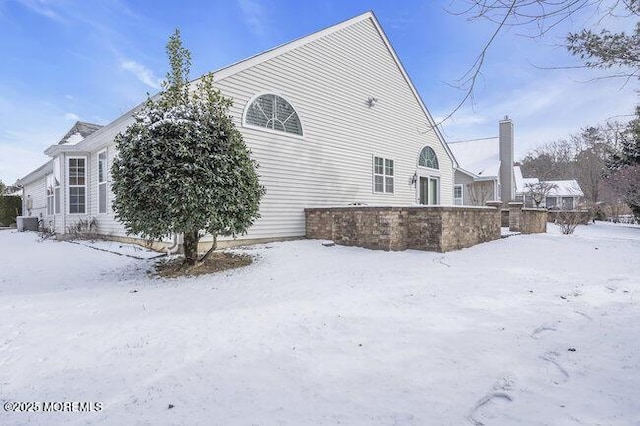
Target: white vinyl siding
{"points": [[328, 82]]}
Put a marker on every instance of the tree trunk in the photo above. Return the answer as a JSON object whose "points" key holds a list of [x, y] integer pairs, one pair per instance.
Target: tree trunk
{"points": [[190, 247], [213, 248]]}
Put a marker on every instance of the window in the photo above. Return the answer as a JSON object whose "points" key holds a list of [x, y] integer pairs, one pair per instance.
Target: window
{"points": [[383, 175], [457, 195], [428, 158], [567, 203], [77, 185], [275, 113], [550, 202], [102, 181], [50, 194], [56, 195], [57, 200]]}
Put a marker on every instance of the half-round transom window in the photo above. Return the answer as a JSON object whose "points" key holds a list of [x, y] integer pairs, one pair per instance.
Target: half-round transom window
{"points": [[428, 158], [273, 112]]}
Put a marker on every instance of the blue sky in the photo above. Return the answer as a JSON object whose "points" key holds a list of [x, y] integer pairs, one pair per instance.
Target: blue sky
{"points": [[65, 60]]}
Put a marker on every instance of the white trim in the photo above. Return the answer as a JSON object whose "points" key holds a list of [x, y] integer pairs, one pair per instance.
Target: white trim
{"points": [[68, 185], [266, 129], [384, 175], [461, 186], [50, 199], [104, 182], [428, 169], [429, 174]]}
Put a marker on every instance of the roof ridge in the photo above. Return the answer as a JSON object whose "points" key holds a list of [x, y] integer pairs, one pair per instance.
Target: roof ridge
{"points": [[473, 140]]}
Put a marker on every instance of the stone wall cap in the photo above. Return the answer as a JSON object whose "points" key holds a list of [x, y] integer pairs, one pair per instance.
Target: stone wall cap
{"points": [[399, 207]]}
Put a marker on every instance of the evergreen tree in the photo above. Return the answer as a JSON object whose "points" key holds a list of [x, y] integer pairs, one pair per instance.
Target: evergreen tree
{"points": [[629, 153], [623, 174], [183, 167]]}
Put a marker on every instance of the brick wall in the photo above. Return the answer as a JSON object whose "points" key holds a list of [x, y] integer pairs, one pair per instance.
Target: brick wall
{"points": [[533, 221], [431, 228], [505, 217]]}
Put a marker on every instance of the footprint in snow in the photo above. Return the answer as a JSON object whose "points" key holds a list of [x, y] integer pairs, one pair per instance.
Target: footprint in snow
{"points": [[489, 407], [541, 329], [556, 373]]}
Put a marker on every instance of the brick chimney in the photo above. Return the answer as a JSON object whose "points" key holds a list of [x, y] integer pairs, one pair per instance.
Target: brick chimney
{"points": [[507, 184]]}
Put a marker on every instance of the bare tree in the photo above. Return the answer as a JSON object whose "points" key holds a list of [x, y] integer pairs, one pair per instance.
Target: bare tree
{"points": [[568, 221], [536, 18], [538, 191], [550, 161], [626, 183], [480, 192]]}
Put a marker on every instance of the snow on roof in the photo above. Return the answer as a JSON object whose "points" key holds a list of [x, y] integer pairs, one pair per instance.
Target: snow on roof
{"points": [[519, 180], [565, 188], [73, 139], [78, 132], [522, 182], [479, 156]]}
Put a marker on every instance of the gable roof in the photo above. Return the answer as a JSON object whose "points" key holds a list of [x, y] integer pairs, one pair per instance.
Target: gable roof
{"points": [[78, 132], [252, 61], [565, 188], [478, 157], [522, 182]]}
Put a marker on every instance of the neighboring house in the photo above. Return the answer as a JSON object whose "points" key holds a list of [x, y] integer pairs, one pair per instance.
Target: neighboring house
{"points": [[332, 119], [485, 168], [563, 194]]}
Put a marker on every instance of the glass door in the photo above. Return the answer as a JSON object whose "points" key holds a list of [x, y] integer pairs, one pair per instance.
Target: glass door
{"points": [[428, 190]]}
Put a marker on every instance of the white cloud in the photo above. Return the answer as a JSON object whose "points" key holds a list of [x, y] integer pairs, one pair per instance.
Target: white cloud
{"points": [[71, 116], [41, 7], [142, 73], [254, 15]]}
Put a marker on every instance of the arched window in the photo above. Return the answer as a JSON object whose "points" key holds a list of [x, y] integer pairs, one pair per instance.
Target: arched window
{"points": [[273, 112], [428, 158]]}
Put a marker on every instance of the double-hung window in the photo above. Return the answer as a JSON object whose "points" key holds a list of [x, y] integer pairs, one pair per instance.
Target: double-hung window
{"points": [[102, 181], [77, 185], [457, 195], [383, 175], [50, 194]]}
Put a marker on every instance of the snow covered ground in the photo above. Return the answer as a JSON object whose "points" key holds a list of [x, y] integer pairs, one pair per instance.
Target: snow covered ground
{"points": [[537, 329]]}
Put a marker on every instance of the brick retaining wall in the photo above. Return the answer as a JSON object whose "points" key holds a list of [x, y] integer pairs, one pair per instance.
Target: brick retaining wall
{"points": [[431, 228], [533, 221]]}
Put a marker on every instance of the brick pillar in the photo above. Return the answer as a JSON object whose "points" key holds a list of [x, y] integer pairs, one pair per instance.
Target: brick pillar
{"points": [[515, 216], [496, 204]]}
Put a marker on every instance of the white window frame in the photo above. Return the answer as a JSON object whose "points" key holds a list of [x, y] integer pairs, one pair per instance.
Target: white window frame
{"points": [[425, 167], [105, 173], [266, 129], [422, 173], [50, 194], [461, 198], [69, 186], [384, 175], [56, 196]]}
